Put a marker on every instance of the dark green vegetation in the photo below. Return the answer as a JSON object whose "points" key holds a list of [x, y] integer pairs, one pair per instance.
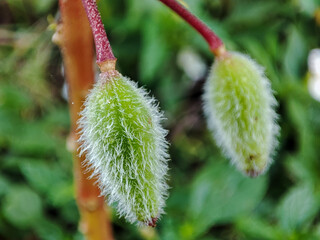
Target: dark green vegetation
{"points": [[208, 198]]}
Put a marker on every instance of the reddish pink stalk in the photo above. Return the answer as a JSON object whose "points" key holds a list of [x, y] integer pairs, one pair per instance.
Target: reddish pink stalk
{"points": [[212, 39], [103, 49]]}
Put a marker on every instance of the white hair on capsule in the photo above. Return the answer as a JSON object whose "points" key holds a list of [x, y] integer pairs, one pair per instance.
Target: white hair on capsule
{"points": [[126, 148], [239, 106]]}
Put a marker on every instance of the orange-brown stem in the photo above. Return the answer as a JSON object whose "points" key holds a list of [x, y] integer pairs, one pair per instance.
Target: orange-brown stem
{"points": [[77, 49]]}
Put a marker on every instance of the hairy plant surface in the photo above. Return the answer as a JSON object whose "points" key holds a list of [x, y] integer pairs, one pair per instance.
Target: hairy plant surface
{"points": [[239, 105], [126, 147]]}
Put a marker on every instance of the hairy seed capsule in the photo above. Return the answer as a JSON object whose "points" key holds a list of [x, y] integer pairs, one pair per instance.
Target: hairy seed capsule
{"points": [[239, 106], [126, 147]]}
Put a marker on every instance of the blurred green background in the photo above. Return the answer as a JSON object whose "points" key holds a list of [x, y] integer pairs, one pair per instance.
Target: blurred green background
{"points": [[208, 198]]}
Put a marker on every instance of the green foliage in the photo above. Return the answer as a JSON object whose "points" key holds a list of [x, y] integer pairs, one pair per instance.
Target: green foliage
{"points": [[208, 198], [36, 185], [219, 194], [22, 207], [298, 206]]}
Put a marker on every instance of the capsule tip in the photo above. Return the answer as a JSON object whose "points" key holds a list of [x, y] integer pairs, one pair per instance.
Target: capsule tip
{"points": [[153, 222]]}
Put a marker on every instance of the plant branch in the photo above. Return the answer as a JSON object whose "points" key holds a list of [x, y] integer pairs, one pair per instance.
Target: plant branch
{"points": [[215, 44], [105, 57], [75, 39]]}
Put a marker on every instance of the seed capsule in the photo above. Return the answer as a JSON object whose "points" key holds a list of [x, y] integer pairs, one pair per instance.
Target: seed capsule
{"points": [[239, 106], [126, 147]]}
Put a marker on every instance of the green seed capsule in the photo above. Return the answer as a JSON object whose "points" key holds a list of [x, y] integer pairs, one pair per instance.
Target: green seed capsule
{"points": [[239, 106], [126, 147]]}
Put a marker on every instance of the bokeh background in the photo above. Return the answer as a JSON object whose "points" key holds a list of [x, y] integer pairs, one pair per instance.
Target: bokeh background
{"points": [[208, 198]]}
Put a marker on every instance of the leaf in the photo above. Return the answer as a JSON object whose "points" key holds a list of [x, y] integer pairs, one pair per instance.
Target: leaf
{"points": [[298, 114], [220, 194], [69, 211], [41, 6], [14, 98], [57, 118], [305, 130], [18, 9], [153, 52], [295, 54], [31, 139], [48, 178], [303, 170], [41, 175], [22, 207], [4, 186], [48, 230], [61, 194], [8, 125], [297, 207], [257, 228], [252, 13]]}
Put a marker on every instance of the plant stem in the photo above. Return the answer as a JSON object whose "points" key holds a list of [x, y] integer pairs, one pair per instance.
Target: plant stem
{"points": [[105, 57], [75, 40], [215, 44]]}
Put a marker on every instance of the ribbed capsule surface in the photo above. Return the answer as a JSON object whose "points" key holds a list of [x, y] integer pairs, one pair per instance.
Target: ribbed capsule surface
{"points": [[126, 147], [239, 106]]}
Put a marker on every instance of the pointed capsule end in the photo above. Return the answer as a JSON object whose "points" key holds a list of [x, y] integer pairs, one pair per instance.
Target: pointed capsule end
{"points": [[153, 222]]}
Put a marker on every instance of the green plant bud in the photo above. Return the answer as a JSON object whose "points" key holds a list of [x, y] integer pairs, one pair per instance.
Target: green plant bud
{"points": [[126, 147], [239, 106]]}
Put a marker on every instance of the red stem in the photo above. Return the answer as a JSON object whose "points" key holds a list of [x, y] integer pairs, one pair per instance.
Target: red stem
{"points": [[103, 49], [212, 39]]}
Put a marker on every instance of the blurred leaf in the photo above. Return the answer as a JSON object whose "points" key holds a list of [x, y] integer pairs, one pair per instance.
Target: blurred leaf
{"points": [[61, 194], [69, 211], [18, 9], [32, 73], [41, 6], [32, 140], [295, 55], [22, 207], [8, 125], [153, 53], [297, 207], [169, 228], [304, 171], [249, 12], [257, 228], [220, 194], [41, 175], [4, 186], [298, 115], [50, 179], [57, 118], [14, 98], [48, 230]]}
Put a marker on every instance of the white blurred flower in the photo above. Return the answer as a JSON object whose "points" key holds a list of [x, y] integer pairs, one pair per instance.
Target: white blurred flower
{"points": [[314, 62], [314, 87], [314, 69], [191, 63]]}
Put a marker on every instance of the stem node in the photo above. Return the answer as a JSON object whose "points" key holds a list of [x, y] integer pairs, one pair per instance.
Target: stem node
{"points": [[107, 65]]}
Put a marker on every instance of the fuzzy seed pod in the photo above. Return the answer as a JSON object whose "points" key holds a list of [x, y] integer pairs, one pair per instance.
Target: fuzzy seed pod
{"points": [[126, 147], [239, 106]]}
